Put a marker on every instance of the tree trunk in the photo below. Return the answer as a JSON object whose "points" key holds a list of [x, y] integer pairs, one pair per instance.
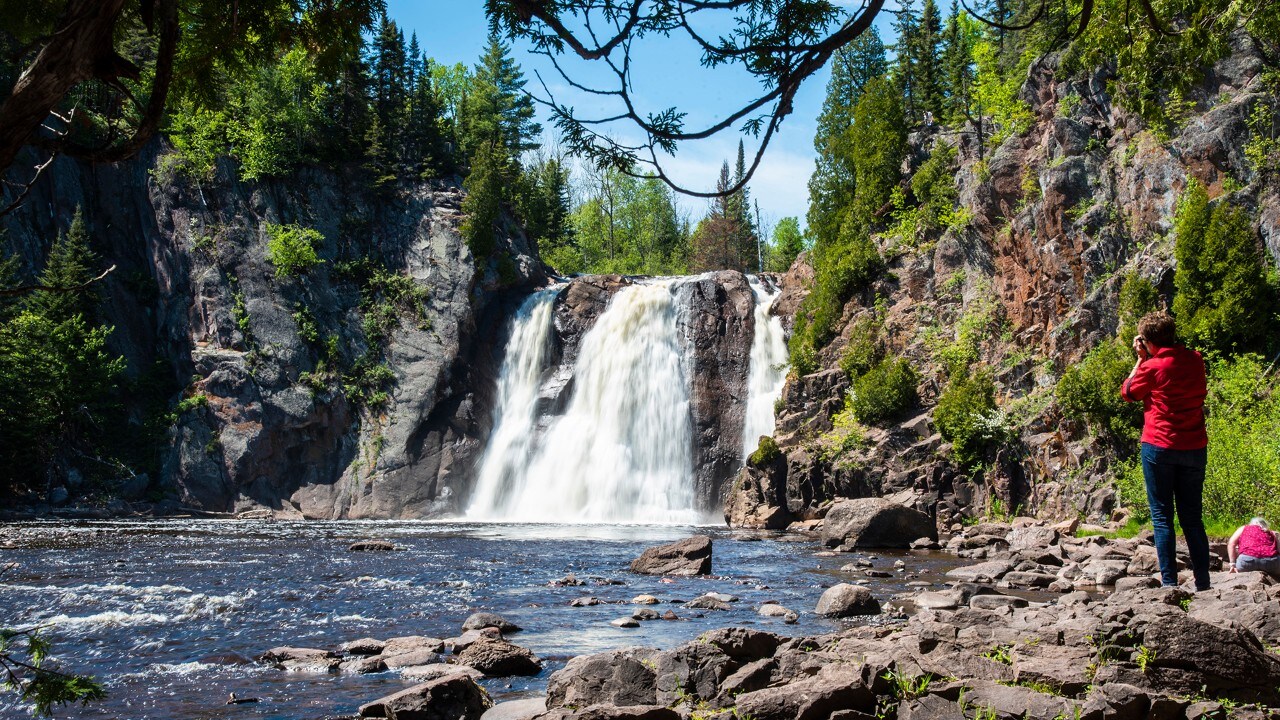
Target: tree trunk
{"points": [[82, 39]]}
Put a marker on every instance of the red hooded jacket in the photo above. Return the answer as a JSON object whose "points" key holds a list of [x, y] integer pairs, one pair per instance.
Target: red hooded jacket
{"points": [[1171, 385]]}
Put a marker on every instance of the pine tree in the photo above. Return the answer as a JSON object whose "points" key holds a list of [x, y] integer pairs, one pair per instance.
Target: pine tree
{"points": [[497, 109], [486, 186], [389, 88], [70, 264], [907, 70], [831, 187], [739, 208], [717, 242], [929, 72], [957, 66], [426, 135], [878, 141]]}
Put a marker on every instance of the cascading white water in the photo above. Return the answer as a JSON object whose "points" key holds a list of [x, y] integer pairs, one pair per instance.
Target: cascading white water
{"points": [[622, 451], [517, 406], [768, 368]]}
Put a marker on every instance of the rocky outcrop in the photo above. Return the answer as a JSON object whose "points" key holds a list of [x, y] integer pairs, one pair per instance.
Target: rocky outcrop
{"points": [[197, 307], [1057, 216], [717, 323], [1159, 651], [691, 556]]}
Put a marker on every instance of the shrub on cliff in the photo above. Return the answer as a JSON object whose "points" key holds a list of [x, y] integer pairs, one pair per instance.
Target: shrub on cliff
{"points": [[885, 391], [766, 453], [1226, 293], [864, 349], [292, 249], [1090, 391], [966, 416]]}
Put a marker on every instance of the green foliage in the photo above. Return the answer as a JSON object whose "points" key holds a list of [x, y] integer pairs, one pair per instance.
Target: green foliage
{"points": [[1263, 147], [1138, 296], [490, 175], [786, 245], [69, 265], [1090, 391], [996, 90], [292, 249], [25, 667], [1226, 293], [847, 436], [966, 417], [864, 350], [934, 187], [625, 225], [981, 320], [1000, 654], [765, 453], [885, 391], [367, 384], [1242, 478], [1145, 658]]}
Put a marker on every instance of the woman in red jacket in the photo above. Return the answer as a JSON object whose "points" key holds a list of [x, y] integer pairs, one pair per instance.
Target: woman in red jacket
{"points": [[1169, 381]]}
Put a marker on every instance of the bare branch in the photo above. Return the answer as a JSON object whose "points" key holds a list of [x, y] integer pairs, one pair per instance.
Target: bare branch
{"points": [[28, 289]]}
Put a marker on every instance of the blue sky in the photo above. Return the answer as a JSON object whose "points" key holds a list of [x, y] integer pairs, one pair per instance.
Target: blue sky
{"points": [[666, 73]]}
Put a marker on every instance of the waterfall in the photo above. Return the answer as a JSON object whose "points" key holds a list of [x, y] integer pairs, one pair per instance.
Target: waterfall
{"points": [[622, 452], [768, 368], [517, 402]]}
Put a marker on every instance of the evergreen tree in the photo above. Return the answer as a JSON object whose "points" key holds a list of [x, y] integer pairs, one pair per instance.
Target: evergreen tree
{"points": [[487, 186], [543, 203], [906, 69], [496, 107], [388, 69], [930, 75], [70, 264], [717, 242], [878, 141], [738, 206], [831, 187], [957, 66], [426, 135], [1224, 300]]}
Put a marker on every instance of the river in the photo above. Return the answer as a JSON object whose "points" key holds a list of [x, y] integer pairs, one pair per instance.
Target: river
{"points": [[170, 614]]}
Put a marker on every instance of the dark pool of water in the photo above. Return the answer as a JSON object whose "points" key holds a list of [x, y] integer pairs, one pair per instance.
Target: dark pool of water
{"points": [[157, 610]]}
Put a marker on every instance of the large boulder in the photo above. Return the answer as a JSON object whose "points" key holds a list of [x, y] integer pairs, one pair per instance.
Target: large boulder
{"points": [[845, 600], [481, 620], [617, 677], [691, 556], [816, 698], [456, 697], [875, 523], [499, 658]]}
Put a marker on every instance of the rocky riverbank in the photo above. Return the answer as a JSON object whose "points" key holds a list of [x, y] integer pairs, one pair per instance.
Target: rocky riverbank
{"points": [[1042, 624]]}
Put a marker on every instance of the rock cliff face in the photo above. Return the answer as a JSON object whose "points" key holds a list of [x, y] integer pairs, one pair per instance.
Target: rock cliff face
{"points": [[1060, 214], [291, 369]]}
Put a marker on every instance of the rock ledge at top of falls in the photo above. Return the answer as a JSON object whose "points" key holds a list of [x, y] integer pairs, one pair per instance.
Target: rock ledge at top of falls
{"points": [[690, 556]]}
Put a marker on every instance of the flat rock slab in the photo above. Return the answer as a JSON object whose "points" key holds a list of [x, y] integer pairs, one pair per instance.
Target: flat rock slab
{"points": [[517, 710], [983, 572], [688, 557]]}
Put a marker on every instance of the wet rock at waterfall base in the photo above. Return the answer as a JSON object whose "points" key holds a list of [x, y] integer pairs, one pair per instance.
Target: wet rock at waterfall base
{"points": [[302, 659], [691, 556], [456, 697], [874, 523]]}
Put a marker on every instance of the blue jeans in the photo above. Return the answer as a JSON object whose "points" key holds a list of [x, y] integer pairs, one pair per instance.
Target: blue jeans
{"points": [[1175, 481]]}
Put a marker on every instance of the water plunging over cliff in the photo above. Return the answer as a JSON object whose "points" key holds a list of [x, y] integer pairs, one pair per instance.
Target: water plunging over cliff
{"points": [[626, 401], [768, 367], [622, 450]]}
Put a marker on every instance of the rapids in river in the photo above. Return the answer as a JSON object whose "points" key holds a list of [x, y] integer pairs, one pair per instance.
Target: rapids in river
{"points": [[169, 615]]}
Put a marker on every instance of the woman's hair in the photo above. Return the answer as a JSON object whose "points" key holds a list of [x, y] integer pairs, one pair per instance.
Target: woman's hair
{"points": [[1158, 328], [1260, 523]]}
